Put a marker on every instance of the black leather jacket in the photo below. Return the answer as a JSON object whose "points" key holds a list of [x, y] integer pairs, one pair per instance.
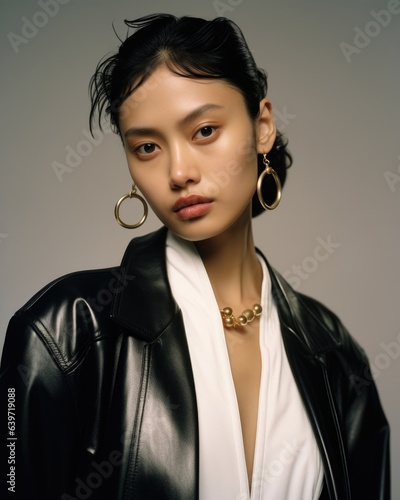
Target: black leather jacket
{"points": [[105, 401]]}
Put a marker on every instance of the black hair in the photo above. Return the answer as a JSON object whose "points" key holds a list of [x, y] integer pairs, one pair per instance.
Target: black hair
{"points": [[194, 48]]}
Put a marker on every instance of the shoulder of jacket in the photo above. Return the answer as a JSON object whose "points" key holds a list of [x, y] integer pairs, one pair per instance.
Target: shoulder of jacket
{"points": [[70, 312], [68, 287]]}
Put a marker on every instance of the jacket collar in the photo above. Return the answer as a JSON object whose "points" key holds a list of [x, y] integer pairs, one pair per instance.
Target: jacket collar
{"points": [[145, 303], [149, 312]]}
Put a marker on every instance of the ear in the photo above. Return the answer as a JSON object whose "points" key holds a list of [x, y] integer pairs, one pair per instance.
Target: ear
{"points": [[265, 127]]}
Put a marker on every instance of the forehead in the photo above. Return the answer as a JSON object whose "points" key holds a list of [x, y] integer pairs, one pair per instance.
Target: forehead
{"points": [[168, 95]]}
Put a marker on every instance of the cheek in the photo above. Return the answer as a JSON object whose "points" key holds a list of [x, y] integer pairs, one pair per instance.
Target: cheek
{"points": [[241, 154], [236, 174], [245, 157], [129, 163], [138, 176], [249, 176], [244, 165], [147, 189]]}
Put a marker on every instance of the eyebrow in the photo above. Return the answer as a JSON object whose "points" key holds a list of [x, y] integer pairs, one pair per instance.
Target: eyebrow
{"points": [[204, 108]]}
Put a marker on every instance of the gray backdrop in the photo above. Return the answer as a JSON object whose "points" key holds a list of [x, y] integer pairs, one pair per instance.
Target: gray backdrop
{"points": [[334, 82]]}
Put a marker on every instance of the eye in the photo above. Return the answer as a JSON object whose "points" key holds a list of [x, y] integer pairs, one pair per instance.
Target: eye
{"points": [[145, 149], [205, 132]]}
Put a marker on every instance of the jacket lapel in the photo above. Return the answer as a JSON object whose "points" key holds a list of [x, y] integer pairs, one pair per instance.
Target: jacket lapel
{"points": [[145, 303], [164, 450], [307, 343]]}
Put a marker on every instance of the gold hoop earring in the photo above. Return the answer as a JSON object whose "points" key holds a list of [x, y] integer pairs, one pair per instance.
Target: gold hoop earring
{"points": [[270, 171], [131, 194]]}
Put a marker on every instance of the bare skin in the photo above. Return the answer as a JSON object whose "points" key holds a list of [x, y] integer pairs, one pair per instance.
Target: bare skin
{"points": [[245, 360], [236, 245]]}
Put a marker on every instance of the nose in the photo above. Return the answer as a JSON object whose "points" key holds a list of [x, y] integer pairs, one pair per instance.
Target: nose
{"points": [[182, 169]]}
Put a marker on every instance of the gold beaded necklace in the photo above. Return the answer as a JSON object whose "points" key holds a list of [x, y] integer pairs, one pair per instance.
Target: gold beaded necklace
{"points": [[246, 317]]}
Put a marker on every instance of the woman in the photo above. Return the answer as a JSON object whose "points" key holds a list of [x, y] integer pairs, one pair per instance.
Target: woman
{"points": [[192, 370]]}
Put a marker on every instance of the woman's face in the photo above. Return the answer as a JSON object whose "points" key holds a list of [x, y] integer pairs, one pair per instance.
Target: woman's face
{"points": [[192, 151]]}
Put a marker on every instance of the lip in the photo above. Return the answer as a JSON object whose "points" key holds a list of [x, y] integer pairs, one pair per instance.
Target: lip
{"points": [[192, 206]]}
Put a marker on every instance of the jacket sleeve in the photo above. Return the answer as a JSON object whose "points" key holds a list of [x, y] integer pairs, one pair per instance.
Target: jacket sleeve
{"points": [[367, 431], [35, 389]]}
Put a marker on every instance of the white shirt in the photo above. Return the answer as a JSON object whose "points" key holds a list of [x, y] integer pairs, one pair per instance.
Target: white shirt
{"points": [[287, 463]]}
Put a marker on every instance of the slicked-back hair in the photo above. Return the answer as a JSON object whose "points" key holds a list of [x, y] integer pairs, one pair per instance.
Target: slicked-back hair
{"points": [[194, 48]]}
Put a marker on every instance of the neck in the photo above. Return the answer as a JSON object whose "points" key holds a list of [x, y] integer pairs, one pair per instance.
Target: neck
{"points": [[232, 265]]}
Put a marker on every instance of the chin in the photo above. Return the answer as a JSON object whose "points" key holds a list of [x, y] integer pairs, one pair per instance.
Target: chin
{"points": [[199, 229], [195, 236]]}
